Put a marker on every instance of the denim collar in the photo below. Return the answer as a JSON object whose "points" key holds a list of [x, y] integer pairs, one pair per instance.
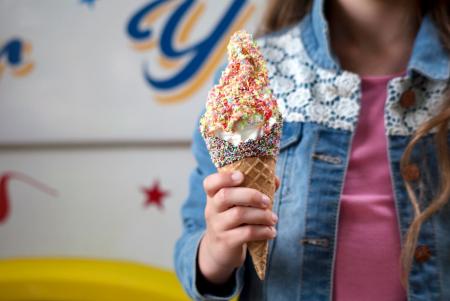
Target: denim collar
{"points": [[428, 58]]}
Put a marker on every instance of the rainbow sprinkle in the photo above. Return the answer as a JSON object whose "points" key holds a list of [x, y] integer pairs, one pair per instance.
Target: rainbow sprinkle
{"points": [[241, 98]]}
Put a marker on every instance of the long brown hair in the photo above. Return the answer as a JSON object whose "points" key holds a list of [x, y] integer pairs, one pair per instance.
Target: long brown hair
{"points": [[283, 13]]}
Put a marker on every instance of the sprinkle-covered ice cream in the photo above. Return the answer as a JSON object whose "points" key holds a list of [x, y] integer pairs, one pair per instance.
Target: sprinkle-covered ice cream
{"points": [[242, 117]]}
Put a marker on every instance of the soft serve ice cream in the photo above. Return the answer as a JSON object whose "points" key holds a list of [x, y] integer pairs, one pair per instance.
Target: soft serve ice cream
{"points": [[242, 118]]}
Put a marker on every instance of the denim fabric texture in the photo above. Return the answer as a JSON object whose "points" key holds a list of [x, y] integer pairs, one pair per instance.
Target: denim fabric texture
{"points": [[315, 147]]}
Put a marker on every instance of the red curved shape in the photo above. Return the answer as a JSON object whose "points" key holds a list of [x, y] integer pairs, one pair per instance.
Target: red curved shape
{"points": [[4, 202], [4, 196]]}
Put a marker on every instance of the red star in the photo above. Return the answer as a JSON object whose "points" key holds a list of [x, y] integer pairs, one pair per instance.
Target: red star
{"points": [[154, 195]]}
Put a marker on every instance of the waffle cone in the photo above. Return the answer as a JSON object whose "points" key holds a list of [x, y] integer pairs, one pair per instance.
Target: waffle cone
{"points": [[259, 174]]}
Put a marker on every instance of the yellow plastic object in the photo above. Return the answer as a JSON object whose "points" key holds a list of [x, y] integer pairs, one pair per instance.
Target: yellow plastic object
{"points": [[72, 279]]}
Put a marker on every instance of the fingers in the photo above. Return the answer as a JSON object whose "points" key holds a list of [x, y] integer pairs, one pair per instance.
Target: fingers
{"points": [[277, 183], [213, 183], [226, 198], [238, 216], [247, 233]]}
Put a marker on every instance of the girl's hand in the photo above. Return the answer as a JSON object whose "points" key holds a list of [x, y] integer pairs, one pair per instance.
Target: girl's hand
{"points": [[234, 216]]}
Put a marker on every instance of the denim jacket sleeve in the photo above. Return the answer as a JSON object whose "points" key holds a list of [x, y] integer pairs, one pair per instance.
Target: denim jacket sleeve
{"points": [[192, 213]]}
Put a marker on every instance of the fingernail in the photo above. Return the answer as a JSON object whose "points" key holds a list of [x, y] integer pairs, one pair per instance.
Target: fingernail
{"points": [[236, 176], [274, 217], [265, 199]]}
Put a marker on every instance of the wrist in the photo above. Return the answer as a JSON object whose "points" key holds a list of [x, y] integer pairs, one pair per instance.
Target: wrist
{"points": [[211, 270]]}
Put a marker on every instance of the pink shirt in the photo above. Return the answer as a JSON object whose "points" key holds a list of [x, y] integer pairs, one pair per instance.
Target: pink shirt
{"points": [[367, 265]]}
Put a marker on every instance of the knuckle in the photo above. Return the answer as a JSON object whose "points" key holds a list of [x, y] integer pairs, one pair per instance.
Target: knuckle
{"points": [[249, 232], [223, 195], [217, 236], [256, 196], [207, 183], [212, 180], [221, 238], [215, 227], [228, 242]]}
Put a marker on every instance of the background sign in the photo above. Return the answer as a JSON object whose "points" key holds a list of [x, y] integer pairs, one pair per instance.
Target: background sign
{"points": [[98, 101], [111, 70]]}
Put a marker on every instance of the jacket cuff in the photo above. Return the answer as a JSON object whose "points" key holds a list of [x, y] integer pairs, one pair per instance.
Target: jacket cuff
{"points": [[230, 291]]}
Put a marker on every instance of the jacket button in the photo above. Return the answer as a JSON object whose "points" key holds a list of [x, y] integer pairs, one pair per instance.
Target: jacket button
{"points": [[408, 99], [422, 253], [411, 172]]}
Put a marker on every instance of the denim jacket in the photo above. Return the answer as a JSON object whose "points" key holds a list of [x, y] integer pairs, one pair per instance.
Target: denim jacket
{"points": [[320, 104]]}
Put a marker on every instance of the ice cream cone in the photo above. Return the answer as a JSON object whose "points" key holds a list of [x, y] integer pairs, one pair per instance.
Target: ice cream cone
{"points": [[242, 126], [259, 174]]}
